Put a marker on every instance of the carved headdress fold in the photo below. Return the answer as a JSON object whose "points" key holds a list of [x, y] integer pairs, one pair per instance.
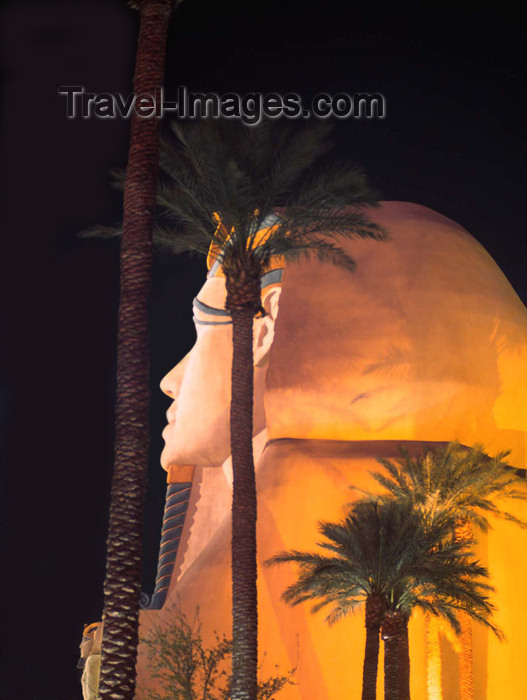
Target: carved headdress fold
{"points": [[425, 340]]}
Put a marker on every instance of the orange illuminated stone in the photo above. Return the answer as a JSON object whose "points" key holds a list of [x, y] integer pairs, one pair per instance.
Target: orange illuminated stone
{"points": [[425, 342]]}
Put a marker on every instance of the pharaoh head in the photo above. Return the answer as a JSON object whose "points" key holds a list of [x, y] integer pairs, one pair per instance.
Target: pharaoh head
{"points": [[421, 342]]}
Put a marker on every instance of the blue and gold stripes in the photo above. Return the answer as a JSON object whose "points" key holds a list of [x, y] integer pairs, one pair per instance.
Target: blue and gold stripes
{"points": [[176, 504]]}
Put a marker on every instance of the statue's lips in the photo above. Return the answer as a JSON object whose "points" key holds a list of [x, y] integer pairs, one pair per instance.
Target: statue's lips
{"points": [[168, 436], [171, 413], [171, 418]]}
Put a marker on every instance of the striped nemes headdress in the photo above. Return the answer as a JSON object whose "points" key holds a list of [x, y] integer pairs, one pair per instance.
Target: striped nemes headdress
{"points": [[274, 273], [90, 630], [272, 277]]}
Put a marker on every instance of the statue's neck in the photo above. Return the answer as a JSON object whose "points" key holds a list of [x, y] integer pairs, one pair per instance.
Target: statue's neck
{"points": [[210, 503]]}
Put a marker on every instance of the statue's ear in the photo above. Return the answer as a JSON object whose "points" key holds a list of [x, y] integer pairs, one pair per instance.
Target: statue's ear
{"points": [[264, 327]]}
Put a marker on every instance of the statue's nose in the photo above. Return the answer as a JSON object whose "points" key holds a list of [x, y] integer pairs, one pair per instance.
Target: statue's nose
{"points": [[172, 381]]}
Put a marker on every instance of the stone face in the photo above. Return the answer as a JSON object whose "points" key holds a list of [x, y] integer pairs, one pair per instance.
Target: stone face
{"points": [[425, 342]]}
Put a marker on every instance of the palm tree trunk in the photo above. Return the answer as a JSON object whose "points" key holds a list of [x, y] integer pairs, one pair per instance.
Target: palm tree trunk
{"points": [[466, 660], [433, 659], [391, 668], [244, 592], [374, 615], [122, 585], [463, 531], [390, 635], [371, 662], [404, 660]]}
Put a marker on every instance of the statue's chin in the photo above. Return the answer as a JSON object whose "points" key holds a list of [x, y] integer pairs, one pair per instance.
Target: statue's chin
{"points": [[195, 442], [207, 453], [206, 443], [204, 456]]}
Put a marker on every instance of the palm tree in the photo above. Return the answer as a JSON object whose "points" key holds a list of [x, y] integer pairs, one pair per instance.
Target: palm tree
{"points": [[382, 555], [460, 483], [238, 178], [243, 196], [122, 585]]}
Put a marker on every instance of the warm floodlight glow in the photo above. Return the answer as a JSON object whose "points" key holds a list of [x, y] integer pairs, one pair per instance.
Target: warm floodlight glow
{"points": [[425, 342], [433, 659]]}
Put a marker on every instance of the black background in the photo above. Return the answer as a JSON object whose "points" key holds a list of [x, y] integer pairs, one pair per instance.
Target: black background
{"points": [[453, 139]]}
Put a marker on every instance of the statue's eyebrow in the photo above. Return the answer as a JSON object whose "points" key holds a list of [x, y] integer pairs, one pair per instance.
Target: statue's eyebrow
{"points": [[272, 277], [211, 311]]}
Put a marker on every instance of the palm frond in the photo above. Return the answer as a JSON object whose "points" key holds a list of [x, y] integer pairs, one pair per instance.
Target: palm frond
{"points": [[385, 547], [244, 175], [100, 231], [454, 481]]}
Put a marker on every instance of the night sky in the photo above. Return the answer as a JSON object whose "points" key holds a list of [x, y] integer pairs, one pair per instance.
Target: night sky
{"points": [[453, 139]]}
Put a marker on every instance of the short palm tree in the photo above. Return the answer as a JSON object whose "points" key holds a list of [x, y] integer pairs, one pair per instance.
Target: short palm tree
{"points": [[463, 484], [382, 555], [247, 195]]}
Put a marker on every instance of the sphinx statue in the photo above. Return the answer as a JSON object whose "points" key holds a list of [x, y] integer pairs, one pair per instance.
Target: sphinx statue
{"points": [[89, 661], [425, 342]]}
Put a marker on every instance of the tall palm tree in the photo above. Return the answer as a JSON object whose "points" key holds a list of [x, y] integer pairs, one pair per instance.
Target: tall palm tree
{"points": [[382, 555], [247, 195], [460, 483], [122, 585]]}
